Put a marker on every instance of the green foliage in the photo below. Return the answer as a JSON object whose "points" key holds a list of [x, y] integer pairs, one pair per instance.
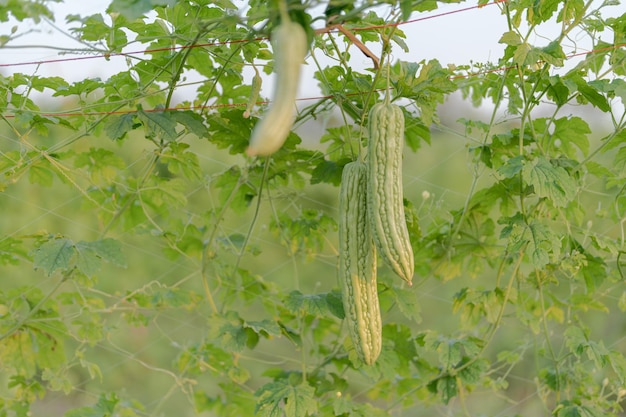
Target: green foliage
{"points": [[150, 268]]}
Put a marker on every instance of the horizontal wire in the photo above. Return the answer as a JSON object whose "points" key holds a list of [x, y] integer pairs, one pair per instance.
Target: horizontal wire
{"points": [[232, 105], [323, 97], [328, 29]]}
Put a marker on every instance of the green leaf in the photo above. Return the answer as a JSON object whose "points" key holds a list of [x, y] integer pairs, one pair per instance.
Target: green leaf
{"points": [[12, 250], [105, 407], [54, 254], [449, 350], [233, 189], [134, 9], [445, 386], [407, 303], [335, 304], [511, 38], [116, 127], [158, 125], [427, 88], [103, 165], [265, 328], [558, 91], [90, 255], [589, 94], [328, 172], [192, 121], [542, 10], [542, 243], [550, 181], [181, 161], [313, 304], [415, 131], [572, 131], [229, 129], [512, 167], [473, 373], [553, 54], [78, 88], [234, 338], [231, 333], [283, 399], [39, 173]]}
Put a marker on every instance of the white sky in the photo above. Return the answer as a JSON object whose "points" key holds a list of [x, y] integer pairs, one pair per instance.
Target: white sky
{"points": [[456, 38]]}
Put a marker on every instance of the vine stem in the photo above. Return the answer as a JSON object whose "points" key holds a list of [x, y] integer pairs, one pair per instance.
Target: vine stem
{"points": [[253, 222], [37, 306], [493, 328], [476, 175], [544, 323], [206, 255]]}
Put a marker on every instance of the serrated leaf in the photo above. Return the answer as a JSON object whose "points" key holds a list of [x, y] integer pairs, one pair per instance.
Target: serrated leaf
{"points": [[91, 255], [233, 337], [589, 93], [510, 38], [445, 386], [42, 175], [160, 124], [232, 181], [134, 9], [542, 10], [105, 407], [335, 304], [264, 327], [328, 172], [572, 131], [406, 301], [283, 399], [88, 262], [193, 122], [558, 91], [116, 127], [553, 54], [102, 164], [313, 304], [512, 167], [229, 129], [415, 131], [472, 373], [181, 161], [550, 181], [53, 254], [542, 243], [12, 250]]}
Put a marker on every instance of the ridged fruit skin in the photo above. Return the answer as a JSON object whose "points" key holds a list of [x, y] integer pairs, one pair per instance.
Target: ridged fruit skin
{"points": [[385, 196], [289, 43], [357, 264]]}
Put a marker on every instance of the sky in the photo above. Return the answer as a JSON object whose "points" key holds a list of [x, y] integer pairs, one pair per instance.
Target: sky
{"points": [[455, 38]]}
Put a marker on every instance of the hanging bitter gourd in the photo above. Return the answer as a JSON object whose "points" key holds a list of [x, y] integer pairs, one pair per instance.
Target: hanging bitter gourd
{"points": [[385, 197], [289, 43], [357, 264]]}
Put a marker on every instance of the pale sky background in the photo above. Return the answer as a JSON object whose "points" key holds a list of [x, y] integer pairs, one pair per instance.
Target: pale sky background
{"points": [[456, 38]]}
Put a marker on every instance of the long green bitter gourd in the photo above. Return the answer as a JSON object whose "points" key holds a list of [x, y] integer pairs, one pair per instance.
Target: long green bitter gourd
{"points": [[357, 264], [385, 197], [289, 43]]}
